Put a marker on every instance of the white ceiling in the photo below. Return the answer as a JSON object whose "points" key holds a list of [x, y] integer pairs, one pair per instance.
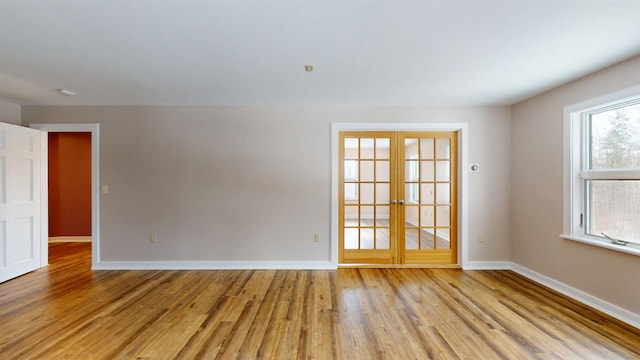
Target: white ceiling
{"points": [[365, 52]]}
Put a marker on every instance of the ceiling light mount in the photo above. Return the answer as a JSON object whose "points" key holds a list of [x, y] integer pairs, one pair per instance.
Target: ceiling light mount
{"points": [[67, 92]]}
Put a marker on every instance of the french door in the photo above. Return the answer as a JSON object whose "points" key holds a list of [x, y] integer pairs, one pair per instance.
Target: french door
{"points": [[398, 197]]}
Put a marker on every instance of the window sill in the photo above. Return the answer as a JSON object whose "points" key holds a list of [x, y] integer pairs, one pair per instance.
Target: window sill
{"points": [[628, 249]]}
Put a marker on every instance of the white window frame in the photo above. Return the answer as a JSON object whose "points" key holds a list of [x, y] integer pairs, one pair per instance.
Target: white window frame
{"points": [[575, 121]]}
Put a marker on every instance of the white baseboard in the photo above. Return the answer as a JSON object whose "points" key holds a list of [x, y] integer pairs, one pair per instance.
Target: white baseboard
{"points": [[590, 300], [58, 239], [487, 265], [214, 265]]}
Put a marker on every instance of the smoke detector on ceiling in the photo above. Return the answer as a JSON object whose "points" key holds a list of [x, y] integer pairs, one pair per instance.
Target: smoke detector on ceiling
{"points": [[67, 92]]}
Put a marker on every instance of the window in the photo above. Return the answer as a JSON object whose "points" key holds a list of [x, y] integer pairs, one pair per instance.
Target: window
{"points": [[351, 179], [414, 175], [603, 172]]}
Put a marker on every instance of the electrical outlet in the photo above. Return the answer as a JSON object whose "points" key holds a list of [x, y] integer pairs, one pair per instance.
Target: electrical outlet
{"points": [[316, 237], [481, 238], [152, 238]]}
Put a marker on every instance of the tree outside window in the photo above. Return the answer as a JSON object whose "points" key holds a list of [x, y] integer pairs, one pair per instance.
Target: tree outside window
{"points": [[613, 144]]}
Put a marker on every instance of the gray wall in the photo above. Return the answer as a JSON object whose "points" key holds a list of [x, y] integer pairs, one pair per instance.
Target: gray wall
{"points": [[537, 194], [10, 112], [253, 183]]}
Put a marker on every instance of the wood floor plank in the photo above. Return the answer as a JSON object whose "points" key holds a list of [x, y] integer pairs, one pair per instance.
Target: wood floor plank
{"points": [[548, 312], [67, 311]]}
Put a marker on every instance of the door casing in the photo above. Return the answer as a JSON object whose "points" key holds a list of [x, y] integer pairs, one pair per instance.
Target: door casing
{"points": [[95, 184], [463, 204]]}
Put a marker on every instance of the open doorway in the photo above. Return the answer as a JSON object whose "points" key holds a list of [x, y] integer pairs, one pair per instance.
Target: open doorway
{"points": [[69, 198], [94, 238]]}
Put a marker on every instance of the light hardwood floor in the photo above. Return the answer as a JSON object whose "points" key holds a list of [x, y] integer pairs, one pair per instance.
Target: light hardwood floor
{"points": [[67, 311]]}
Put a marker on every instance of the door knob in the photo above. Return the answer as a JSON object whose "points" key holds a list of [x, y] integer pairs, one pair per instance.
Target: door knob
{"points": [[401, 202], [393, 202]]}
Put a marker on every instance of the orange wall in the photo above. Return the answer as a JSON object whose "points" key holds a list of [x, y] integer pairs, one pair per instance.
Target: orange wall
{"points": [[69, 184]]}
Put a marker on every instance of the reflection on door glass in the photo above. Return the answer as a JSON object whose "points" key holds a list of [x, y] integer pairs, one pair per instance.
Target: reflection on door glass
{"points": [[366, 193], [366, 170], [411, 239], [351, 191], [366, 215], [412, 169], [382, 238], [382, 193], [351, 170], [443, 149], [351, 148], [382, 148], [426, 194], [350, 238], [412, 192], [382, 215], [351, 216], [426, 219], [410, 148], [411, 215], [426, 149], [426, 239], [426, 171], [443, 194], [443, 215], [366, 149], [443, 236], [443, 172], [366, 238], [382, 170]]}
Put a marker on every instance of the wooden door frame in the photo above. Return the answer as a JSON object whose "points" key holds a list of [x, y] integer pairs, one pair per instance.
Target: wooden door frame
{"points": [[95, 185], [463, 202]]}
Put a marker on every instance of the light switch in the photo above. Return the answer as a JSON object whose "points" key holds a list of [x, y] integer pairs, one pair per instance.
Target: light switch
{"points": [[105, 189]]}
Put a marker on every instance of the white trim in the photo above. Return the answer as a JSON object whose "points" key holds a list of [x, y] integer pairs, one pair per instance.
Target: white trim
{"points": [[601, 101], [608, 308], [487, 265], [44, 200], [629, 249], [94, 129], [59, 239], [463, 150], [215, 265], [627, 174], [572, 165]]}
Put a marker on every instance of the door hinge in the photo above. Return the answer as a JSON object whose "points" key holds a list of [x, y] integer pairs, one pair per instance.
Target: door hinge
{"points": [[581, 220]]}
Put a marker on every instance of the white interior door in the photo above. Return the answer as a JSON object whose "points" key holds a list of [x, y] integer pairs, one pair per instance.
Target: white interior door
{"points": [[20, 213]]}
